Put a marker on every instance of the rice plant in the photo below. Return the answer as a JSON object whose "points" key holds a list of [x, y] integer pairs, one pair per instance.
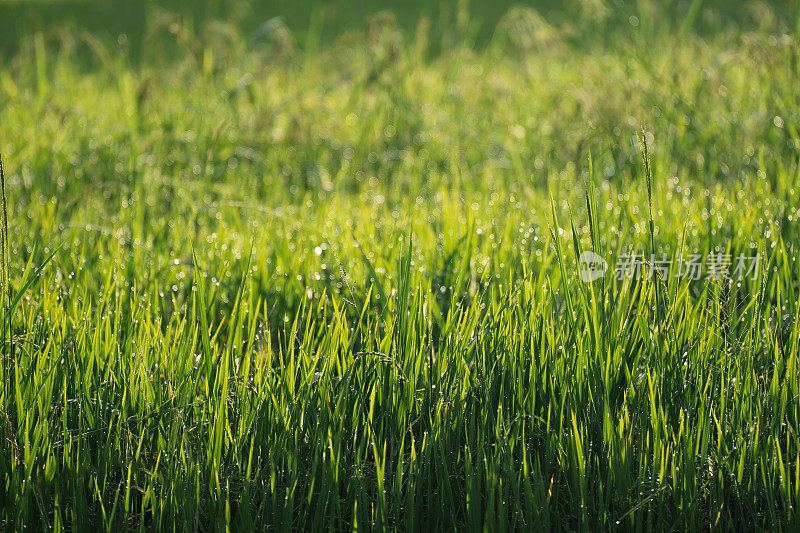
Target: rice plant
{"points": [[301, 272]]}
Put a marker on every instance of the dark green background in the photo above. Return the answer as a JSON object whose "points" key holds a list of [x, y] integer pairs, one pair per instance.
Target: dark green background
{"points": [[109, 19]]}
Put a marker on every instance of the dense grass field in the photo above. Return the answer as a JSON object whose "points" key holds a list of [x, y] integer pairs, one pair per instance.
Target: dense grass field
{"points": [[322, 271]]}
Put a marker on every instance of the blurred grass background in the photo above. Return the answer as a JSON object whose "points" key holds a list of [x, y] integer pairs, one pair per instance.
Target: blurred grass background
{"points": [[591, 21]]}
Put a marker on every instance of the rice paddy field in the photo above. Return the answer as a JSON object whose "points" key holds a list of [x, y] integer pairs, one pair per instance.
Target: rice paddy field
{"points": [[420, 266]]}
